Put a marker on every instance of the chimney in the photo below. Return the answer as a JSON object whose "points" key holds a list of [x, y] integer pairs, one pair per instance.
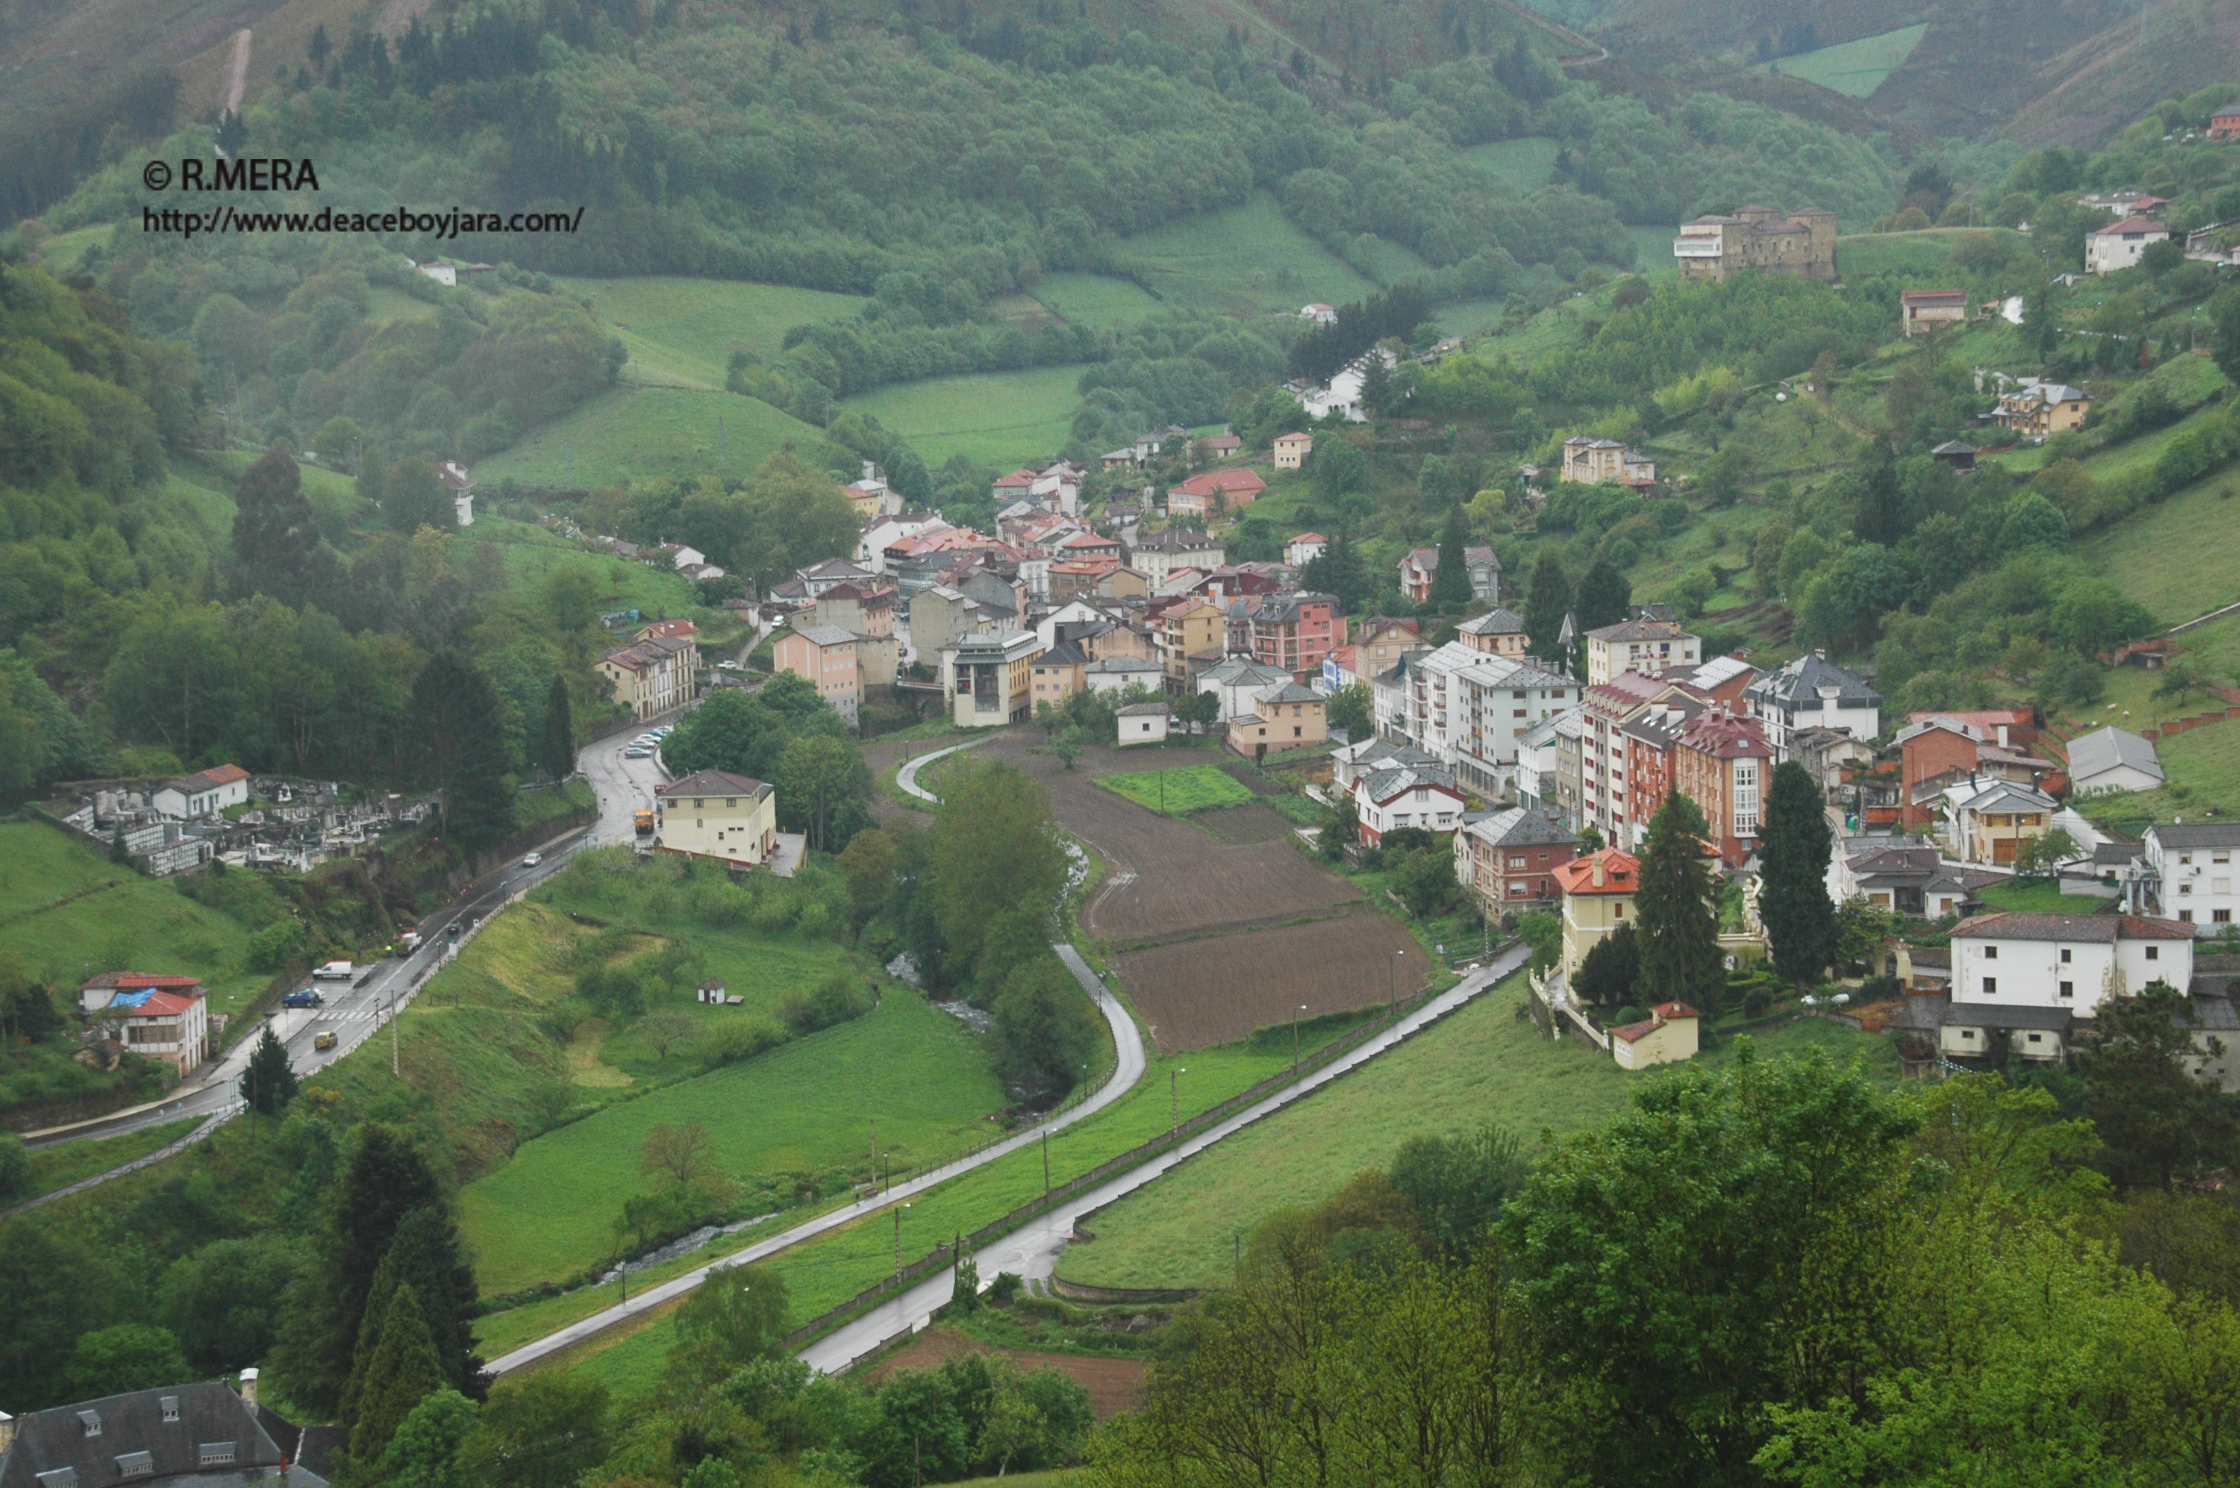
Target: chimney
{"points": [[1597, 861], [249, 1388]]}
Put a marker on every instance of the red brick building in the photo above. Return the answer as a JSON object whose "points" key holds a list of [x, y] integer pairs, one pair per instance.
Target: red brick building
{"points": [[1297, 631], [1723, 761]]}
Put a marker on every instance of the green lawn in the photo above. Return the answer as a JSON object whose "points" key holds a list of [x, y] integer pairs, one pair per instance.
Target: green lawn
{"points": [[69, 912], [1926, 252], [1243, 261], [59, 1167], [992, 418], [1652, 248], [2213, 650], [389, 304], [1526, 164], [2202, 768], [1181, 791], [805, 1106], [1096, 300], [1482, 1065], [2039, 898], [631, 433], [681, 332], [1853, 68]]}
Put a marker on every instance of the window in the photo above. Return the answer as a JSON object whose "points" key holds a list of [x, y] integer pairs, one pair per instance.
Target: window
{"points": [[214, 1454], [1516, 860], [1990, 986], [91, 1420], [1991, 953], [2154, 953], [2220, 916], [2185, 888], [2037, 1038], [2067, 955], [1618, 911], [61, 1477], [2186, 858], [171, 1407], [136, 1465], [2068, 989]]}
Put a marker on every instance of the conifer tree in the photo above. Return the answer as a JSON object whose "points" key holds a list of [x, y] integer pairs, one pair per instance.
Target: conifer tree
{"points": [[1793, 852], [1450, 585], [401, 1371], [1604, 596], [428, 1256], [464, 749], [1547, 601], [1677, 928], [270, 1081], [276, 543], [558, 755]]}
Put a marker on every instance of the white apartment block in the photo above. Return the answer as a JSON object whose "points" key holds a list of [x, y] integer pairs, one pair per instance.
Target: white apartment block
{"points": [[1469, 709]]}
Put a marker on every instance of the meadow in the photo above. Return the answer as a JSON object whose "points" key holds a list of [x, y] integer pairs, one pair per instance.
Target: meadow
{"points": [[2038, 898], [805, 1106], [1181, 791], [1853, 68], [681, 332], [59, 1167], [830, 1269], [991, 418], [635, 433], [1526, 164], [533, 554], [1096, 300], [70, 912], [2157, 553], [1243, 261], [1924, 252], [1483, 1065]]}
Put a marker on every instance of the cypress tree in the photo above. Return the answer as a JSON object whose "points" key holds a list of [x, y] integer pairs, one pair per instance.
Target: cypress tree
{"points": [[401, 1372], [1604, 596], [276, 543], [270, 1081], [1547, 601], [1450, 585], [463, 749], [1793, 852], [558, 755], [427, 1256], [1677, 929]]}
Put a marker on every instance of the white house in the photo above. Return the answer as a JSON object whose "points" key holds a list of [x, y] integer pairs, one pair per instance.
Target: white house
{"points": [[1366, 757], [459, 486], [154, 1016], [1318, 314], [2190, 873], [1810, 692], [1305, 548], [2119, 244], [2112, 759], [1143, 723], [1119, 673], [1241, 684], [1469, 709], [1416, 796], [2072, 962], [205, 794]]}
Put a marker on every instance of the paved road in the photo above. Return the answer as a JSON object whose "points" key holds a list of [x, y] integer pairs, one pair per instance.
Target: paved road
{"points": [[1033, 1250], [1128, 1044], [907, 776]]}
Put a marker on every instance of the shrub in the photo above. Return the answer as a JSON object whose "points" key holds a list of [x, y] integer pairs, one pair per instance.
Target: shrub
{"points": [[837, 999], [736, 1039], [1006, 1286]]}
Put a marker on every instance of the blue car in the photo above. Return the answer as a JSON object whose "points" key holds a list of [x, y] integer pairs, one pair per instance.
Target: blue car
{"points": [[302, 997]]}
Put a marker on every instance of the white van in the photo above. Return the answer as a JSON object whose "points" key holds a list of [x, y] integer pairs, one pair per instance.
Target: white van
{"points": [[335, 971]]}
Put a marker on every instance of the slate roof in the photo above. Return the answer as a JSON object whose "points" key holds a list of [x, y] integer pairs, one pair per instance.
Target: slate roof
{"points": [[1141, 710], [2197, 834], [1640, 630], [1383, 785], [714, 783], [1801, 680], [824, 635], [2111, 748], [2106, 929], [1521, 826], [1295, 692], [194, 1433], [1995, 1015], [1495, 621]]}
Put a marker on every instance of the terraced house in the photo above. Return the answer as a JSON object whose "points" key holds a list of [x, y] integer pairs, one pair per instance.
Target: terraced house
{"points": [[652, 676]]}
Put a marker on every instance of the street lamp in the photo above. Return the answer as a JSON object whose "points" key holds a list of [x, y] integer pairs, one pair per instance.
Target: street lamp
{"points": [[1295, 1041], [1174, 1100], [1392, 984], [898, 1240]]}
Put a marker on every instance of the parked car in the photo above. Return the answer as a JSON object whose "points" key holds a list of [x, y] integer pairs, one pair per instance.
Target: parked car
{"points": [[322, 1041], [636, 751], [303, 997]]}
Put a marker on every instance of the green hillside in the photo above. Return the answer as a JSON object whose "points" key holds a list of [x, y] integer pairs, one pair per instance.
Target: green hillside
{"points": [[991, 418], [633, 433], [1240, 261], [1855, 68], [681, 332]]}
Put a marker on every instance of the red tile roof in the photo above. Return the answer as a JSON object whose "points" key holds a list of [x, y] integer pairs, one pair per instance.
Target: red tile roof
{"points": [[135, 981], [224, 774], [1621, 873]]}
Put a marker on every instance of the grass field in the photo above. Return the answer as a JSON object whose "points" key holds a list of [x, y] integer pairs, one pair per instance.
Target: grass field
{"points": [[1926, 252], [1526, 164], [2157, 553], [2214, 649], [681, 332], [1096, 300], [1243, 260], [804, 1106], [834, 1267], [69, 912], [1853, 68], [1482, 1065], [1180, 791], [533, 554], [993, 418], [2038, 898], [59, 1167], [631, 433], [1652, 249], [394, 304], [61, 253]]}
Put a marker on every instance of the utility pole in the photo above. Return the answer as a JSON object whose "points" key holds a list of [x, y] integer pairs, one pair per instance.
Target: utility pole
{"points": [[1046, 1162], [898, 1242], [1295, 1041], [874, 1149], [1174, 1100], [1392, 985]]}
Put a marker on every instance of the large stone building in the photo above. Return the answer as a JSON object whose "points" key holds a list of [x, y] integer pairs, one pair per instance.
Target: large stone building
{"points": [[1753, 237]]}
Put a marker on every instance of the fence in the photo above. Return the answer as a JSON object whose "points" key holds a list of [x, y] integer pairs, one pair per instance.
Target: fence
{"points": [[1213, 1116]]}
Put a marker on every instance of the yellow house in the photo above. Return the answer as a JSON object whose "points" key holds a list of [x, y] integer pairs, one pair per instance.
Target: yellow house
{"points": [[1598, 895], [712, 814], [1189, 630], [1667, 1037], [1292, 717], [1292, 450]]}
